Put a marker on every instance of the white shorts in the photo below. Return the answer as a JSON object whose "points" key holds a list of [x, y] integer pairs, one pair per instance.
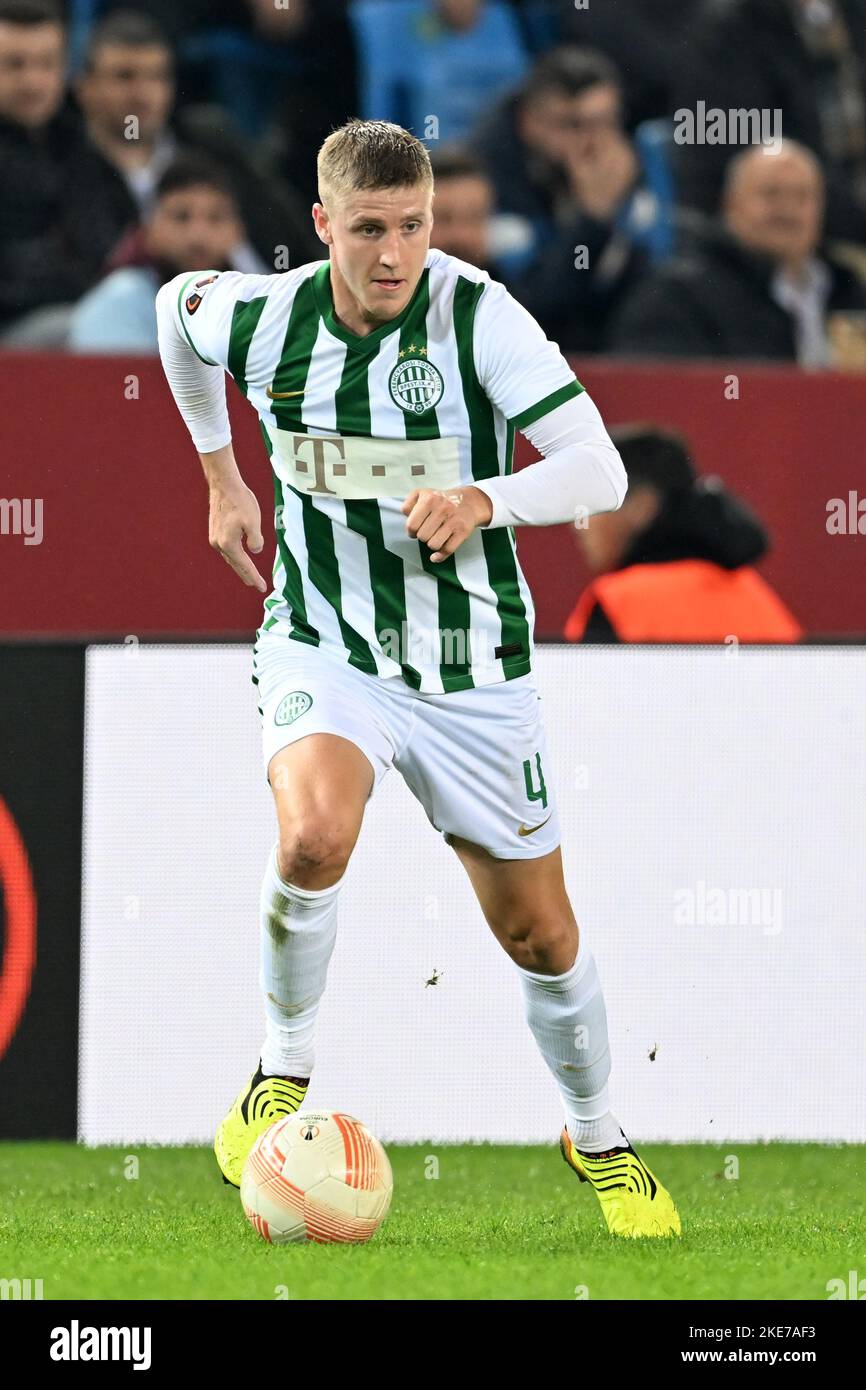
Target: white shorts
{"points": [[476, 759]]}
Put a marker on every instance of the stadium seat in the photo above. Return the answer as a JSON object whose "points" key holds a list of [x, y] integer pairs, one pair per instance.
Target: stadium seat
{"points": [[654, 143]]}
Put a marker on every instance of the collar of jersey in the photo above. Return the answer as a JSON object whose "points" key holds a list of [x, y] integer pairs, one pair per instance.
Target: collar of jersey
{"points": [[325, 303]]}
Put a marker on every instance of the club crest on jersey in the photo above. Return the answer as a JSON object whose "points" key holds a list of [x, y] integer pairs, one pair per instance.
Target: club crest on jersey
{"points": [[192, 301], [292, 706], [416, 385]]}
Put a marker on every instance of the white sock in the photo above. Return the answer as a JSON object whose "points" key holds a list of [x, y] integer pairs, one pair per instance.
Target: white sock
{"points": [[567, 1016], [298, 930]]}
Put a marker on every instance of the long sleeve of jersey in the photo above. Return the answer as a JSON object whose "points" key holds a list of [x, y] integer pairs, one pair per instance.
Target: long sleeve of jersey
{"points": [[529, 381], [198, 385], [580, 473]]}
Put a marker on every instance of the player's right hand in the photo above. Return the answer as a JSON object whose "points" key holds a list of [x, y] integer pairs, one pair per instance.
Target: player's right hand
{"points": [[234, 517]]}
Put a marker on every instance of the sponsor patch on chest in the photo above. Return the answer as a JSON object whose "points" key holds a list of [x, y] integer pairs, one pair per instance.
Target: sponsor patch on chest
{"points": [[355, 467]]}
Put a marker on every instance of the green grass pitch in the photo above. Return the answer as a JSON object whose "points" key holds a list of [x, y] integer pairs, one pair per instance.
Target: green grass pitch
{"points": [[509, 1223]]}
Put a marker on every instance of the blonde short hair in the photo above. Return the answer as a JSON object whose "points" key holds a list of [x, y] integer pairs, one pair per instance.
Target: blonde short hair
{"points": [[370, 154]]}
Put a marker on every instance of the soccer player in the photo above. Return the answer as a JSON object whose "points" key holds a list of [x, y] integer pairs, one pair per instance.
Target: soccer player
{"points": [[389, 380]]}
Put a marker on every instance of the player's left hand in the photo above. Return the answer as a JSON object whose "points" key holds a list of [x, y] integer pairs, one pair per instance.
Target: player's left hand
{"points": [[445, 519]]}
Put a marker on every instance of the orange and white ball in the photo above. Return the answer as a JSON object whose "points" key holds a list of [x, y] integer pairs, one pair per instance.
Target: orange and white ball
{"points": [[317, 1175]]}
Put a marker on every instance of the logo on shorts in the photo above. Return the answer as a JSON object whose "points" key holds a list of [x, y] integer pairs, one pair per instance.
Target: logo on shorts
{"points": [[292, 706], [531, 829], [415, 384]]}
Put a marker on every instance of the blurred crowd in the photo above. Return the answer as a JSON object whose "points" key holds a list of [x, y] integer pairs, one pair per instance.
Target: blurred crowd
{"points": [[141, 139]]}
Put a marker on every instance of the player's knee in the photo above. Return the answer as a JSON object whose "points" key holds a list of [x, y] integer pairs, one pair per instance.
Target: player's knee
{"points": [[548, 947], [314, 852]]}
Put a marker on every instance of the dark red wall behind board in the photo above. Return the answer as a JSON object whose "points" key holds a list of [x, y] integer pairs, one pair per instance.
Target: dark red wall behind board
{"points": [[125, 506], [792, 441], [125, 548]]}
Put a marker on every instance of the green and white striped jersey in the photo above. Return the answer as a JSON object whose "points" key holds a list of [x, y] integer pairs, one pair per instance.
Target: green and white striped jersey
{"points": [[352, 425]]}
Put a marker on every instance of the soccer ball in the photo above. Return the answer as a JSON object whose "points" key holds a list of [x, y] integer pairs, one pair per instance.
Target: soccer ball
{"points": [[316, 1176]]}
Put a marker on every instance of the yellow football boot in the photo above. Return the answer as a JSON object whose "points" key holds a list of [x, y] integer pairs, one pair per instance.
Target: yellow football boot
{"points": [[261, 1102], [633, 1201]]}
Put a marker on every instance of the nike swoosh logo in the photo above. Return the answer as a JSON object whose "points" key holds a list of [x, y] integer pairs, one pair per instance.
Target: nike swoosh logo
{"points": [[524, 831], [282, 395]]}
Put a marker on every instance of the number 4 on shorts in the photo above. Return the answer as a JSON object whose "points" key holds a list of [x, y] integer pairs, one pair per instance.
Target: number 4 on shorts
{"points": [[539, 794]]}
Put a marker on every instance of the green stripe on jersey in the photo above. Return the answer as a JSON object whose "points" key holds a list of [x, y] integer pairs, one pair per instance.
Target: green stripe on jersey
{"points": [[245, 321], [323, 571], [387, 579], [294, 365], [293, 587], [452, 598], [499, 549], [352, 396], [535, 412], [322, 567]]}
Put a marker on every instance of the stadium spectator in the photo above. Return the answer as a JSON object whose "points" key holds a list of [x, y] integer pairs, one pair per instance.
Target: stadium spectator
{"points": [[462, 207], [805, 58], [755, 287], [650, 44], [436, 60], [465, 223], [194, 222], [126, 92], [560, 160], [44, 260], [562, 163], [676, 562], [284, 73], [178, 22]]}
